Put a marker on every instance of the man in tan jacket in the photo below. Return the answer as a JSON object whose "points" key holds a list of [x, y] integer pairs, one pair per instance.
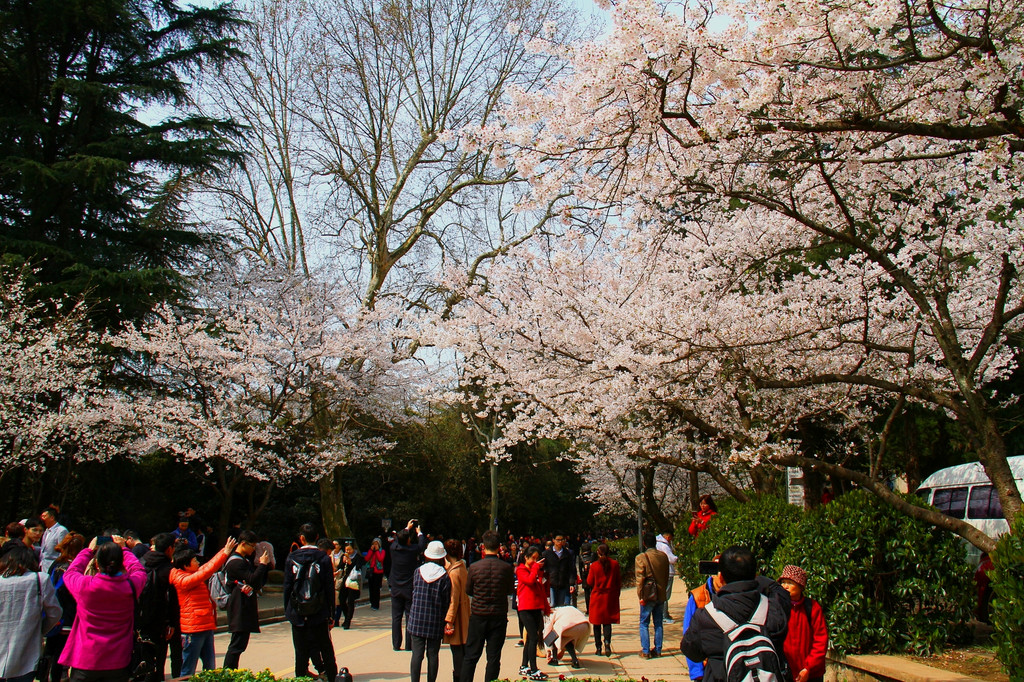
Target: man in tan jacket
{"points": [[650, 566]]}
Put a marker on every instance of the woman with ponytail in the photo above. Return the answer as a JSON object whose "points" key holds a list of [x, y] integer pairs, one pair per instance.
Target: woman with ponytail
{"points": [[99, 647], [605, 580]]}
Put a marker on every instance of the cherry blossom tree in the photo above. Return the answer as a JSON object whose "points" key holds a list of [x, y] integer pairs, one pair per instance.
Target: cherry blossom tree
{"points": [[848, 171], [354, 159], [53, 408], [267, 377]]}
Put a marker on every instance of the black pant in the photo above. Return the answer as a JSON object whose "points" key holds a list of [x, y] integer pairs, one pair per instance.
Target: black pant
{"points": [[400, 604], [489, 631], [120, 675], [421, 646], [239, 642], [155, 653], [314, 641], [49, 669], [458, 655], [348, 604], [605, 632], [533, 622], [174, 644], [375, 581]]}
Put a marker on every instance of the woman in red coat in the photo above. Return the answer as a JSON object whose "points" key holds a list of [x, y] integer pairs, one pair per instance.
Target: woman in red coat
{"points": [[605, 580], [702, 518], [807, 635]]}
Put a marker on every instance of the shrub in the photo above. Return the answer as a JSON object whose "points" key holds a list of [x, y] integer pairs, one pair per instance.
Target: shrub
{"points": [[223, 675], [888, 583], [624, 551], [759, 524], [1008, 600]]}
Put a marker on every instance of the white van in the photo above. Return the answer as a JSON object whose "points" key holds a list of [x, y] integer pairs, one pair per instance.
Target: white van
{"points": [[964, 492]]}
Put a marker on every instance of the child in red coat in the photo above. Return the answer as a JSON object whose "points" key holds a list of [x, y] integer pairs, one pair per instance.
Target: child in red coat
{"points": [[807, 636]]}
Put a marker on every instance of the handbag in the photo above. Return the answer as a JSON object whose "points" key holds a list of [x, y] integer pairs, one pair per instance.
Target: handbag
{"points": [[353, 581]]}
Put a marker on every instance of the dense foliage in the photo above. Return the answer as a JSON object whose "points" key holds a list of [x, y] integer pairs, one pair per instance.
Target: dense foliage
{"points": [[888, 583], [1008, 600], [760, 524], [90, 176], [225, 675]]}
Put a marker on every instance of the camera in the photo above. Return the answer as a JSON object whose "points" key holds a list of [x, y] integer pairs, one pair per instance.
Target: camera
{"points": [[709, 568]]}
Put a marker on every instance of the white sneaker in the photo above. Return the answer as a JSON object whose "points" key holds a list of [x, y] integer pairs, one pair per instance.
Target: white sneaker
{"points": [[524, 671], [538, 675]]}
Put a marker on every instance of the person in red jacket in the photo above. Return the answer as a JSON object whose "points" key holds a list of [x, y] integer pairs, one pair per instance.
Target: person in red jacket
{"points": [[703, 517], [532, 597], [807, 636], [198, 612], [605, 580]]}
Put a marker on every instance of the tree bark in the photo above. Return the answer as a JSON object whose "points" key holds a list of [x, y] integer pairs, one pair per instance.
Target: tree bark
{"points": [[332, 506]]}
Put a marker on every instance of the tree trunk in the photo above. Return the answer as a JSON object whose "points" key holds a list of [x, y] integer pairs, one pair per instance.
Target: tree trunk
{"points": [[651, 507], [332, 506], [992, 454]]}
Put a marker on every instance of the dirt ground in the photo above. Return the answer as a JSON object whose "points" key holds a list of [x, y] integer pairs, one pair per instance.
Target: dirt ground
{"points": [[977, 662]]}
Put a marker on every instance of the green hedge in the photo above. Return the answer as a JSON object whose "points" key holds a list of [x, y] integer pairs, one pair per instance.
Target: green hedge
{"points": [[624, 551], [1008, 600], [888, 583], [760, 524], [223, 675]]}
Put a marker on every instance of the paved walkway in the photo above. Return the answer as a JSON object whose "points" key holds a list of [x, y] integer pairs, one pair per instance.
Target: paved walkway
{"points": [[366, 649]]}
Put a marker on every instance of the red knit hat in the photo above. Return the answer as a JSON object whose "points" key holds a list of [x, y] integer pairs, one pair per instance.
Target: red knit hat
{"points": [[796, 574]]}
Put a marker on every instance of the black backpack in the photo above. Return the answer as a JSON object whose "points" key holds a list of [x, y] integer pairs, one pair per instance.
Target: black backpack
{"points": [[307, 596], [151, 604], [750, 655]]}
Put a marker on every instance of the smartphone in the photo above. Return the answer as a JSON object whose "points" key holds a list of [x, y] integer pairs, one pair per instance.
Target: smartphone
{"points": [[708, 568], [103, 539]]}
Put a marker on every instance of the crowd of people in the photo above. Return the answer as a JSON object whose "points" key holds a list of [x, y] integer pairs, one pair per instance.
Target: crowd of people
{"points": [[116, 608]]}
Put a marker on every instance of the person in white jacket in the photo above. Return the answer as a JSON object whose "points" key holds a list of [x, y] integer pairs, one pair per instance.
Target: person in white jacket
{"points": [[664, 544]]}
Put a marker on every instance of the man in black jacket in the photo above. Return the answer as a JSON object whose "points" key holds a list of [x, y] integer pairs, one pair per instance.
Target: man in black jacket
{"points": [[560, 566], [489, 583], [311, 631], [158, 621], [245, 579], [405, 559], [738, 599]]}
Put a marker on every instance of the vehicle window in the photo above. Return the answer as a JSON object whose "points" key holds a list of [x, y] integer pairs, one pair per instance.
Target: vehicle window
{"points": [[951, 501], [924, 494], [984, 503]]}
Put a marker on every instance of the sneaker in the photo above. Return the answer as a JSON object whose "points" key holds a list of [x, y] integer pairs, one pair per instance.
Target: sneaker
{"points": [[668, 620], [520, 643], [524, 671], [537, 675]]}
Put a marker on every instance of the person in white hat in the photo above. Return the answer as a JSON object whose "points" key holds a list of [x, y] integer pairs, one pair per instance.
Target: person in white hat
{"points": [[431, 595]]}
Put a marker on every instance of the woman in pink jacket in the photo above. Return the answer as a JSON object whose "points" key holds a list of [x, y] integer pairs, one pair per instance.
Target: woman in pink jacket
{"points": [[99, 647]]}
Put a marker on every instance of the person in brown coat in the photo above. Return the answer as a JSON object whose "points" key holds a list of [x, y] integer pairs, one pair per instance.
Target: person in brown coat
{"points": [[456, 623], [651, 563]]}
